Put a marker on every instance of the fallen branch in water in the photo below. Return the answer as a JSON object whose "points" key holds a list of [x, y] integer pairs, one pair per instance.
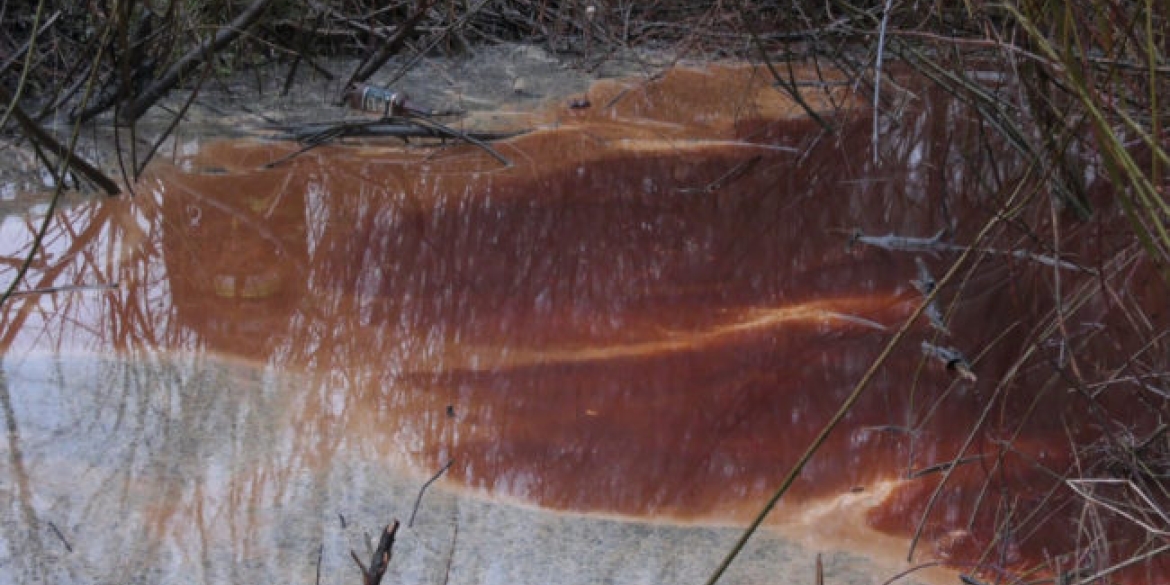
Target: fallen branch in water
{"points": [[945, 465], [452, 133], [895, 243], [318, 133], [935, 245]]}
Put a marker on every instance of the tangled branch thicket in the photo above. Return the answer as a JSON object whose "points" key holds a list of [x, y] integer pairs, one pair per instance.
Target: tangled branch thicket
{"points": [[1079, 95]]}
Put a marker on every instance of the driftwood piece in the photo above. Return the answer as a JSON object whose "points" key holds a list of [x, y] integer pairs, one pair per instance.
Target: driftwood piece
{"points": [[896, 243], [314, 132], [935, 245], [380, 559]]}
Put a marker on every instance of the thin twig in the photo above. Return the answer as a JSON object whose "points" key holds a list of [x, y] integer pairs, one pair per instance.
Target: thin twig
{"points": [[1128, 562], [320, 553], [789, 87], [1078, 486], [38, 239], [17, 54], [174, 123], [442, 34], [390, 47], [451, 557], [57, 531], [423, 489], [723, 180], [877, 80], [945, 465], [429, 123], [65, 288], [844, 409]]}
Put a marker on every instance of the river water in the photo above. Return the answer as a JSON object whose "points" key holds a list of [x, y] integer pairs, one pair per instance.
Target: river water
{"points": [[616, 346]]}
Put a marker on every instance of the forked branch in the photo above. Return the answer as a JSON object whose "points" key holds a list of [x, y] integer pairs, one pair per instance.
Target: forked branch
{"points": [[380, 560]]}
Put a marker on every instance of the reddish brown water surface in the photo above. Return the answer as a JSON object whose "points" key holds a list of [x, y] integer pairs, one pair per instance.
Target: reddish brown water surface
{"points": [[652, 313]]}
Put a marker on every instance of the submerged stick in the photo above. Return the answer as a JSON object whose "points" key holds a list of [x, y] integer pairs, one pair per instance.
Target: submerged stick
{"points": [[896, 243], [846, 406], [57, 531], [451, 132], [451, 557], [731, 175], [322, 131], [320, 553], [423, 489], [926, 285], [945, 465], [314, 135]]}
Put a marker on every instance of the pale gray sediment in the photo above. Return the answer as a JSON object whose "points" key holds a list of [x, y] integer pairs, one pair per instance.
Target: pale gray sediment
{"points": [[181, 469]]}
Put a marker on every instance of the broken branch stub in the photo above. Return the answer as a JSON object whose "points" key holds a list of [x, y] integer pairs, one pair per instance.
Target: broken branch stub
{"points": [[380, 560]]}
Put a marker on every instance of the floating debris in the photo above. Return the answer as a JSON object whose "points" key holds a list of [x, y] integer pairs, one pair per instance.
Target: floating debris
{"points": [[856, 320], [935, 245], [953, 358], [926, 285], [376, 100], [388, 102], [901, 243]]}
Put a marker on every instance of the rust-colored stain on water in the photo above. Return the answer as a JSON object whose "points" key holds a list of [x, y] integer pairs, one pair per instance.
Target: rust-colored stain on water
{"points": [[653, 311]]}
